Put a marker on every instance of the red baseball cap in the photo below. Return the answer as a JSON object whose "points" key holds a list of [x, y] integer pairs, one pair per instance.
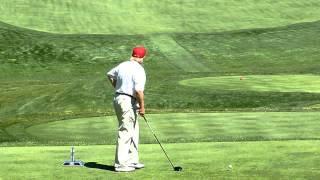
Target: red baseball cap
{"points": [[139, 52]]}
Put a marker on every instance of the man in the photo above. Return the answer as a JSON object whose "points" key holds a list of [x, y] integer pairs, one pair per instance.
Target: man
{"points": [[128, 79]]}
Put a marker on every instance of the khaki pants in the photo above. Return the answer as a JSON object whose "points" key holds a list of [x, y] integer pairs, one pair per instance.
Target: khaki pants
{"points": [[128, 130]]}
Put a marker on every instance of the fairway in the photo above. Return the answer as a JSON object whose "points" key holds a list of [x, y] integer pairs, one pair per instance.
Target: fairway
{"points": [[248, 160], [273, 83]]}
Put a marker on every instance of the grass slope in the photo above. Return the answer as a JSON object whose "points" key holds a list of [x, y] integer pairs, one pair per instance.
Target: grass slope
{"points": [[179, 57], [249, 160], [150, 16], [283, 50]]}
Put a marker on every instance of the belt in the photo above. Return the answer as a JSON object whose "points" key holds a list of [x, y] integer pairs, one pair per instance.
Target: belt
{"points": [[117, 93]]}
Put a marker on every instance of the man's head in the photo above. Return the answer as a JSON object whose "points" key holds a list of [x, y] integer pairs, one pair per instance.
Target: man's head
{"points": [[138, 53]]}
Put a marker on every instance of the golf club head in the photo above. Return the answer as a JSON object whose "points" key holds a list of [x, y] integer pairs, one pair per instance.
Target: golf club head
{"points": [[177, 168]]}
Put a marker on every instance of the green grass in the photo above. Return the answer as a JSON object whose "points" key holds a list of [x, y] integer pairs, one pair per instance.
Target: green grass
{"points": [[273, 83], [249, 160], [174, 128], [178, 128], [53, 82], [283, 50], [149, 16], [180, 57], [47, 77]]}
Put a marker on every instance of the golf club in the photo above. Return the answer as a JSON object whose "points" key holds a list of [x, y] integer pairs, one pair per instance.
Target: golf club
{"points": [[175, 168]]}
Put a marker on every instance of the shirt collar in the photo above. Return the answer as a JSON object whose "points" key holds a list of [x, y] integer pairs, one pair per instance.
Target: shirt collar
{"points": [[136, 62]]}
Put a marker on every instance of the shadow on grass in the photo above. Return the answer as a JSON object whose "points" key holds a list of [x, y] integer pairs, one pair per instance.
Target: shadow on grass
{"points": [[96, 165]]}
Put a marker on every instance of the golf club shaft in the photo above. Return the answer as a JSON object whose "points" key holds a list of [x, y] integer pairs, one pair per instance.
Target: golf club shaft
{"points": [[158, 141]]}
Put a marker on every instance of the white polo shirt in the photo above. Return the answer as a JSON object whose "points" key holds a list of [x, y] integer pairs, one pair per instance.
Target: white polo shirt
{"points": [[130, 77]]}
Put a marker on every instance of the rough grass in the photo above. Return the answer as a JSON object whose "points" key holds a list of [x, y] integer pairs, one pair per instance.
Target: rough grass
{"points": [[150, 16]]}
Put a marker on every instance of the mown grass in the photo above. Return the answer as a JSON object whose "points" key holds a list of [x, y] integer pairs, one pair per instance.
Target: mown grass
{"points": [[177, 128], [263, 83], [150, 16], [249, 160], [283, 50], [47, 77]]}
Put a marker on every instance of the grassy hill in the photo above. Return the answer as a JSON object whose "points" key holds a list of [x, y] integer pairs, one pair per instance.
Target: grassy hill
{"points": [[150, 16]]}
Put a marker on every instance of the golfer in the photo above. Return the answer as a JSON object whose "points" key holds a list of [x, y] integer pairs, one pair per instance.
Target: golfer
{"points": [[128, 79]]}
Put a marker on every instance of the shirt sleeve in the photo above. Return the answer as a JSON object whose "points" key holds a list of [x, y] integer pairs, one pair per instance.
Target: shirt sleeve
{"points": [[139, 80], [113, 72]]}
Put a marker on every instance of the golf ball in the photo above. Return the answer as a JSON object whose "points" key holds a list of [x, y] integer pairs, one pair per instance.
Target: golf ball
{"points": [[230, 166]]}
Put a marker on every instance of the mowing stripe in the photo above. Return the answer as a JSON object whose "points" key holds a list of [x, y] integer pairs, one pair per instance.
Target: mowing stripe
{"points": [[184, 127], [177, 55]]}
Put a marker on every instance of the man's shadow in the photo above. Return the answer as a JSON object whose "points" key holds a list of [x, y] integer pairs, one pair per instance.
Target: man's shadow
{"points": [[96, 165]]}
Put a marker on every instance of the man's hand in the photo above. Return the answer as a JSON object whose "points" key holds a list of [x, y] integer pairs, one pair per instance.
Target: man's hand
{"points": [[141, 111]]}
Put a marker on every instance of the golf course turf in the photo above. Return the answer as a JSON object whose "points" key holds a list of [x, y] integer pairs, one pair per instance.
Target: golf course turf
{"points": [[150, 16], [273, 83], [232, 87], [210, 127], [206, 160]]}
